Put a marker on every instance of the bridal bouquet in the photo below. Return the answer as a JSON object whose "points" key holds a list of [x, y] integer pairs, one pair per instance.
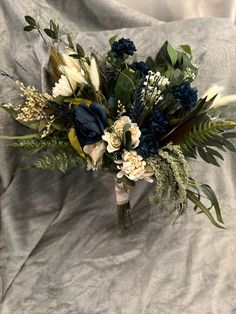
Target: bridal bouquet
{"points": [[138, 120]]}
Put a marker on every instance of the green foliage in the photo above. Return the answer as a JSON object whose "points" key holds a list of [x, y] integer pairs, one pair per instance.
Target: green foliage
{"points": [[32, 24], [53, 32], [41, 143], [70, 42], [125, 86], [112, 40], [171, 171], [172, 53], [79, 52], [187, 50], [58, 159], [194, 195], [173, 63], [205, 134]]}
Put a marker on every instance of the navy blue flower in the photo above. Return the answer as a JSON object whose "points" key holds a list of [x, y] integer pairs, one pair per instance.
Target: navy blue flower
{"points": [[89, 122], [158, 121], [141, 66], [148, 144], [123, 46], [185, 95]]}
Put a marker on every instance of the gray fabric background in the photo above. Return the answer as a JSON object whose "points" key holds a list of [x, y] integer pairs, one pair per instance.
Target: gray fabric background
{"points": [[59, 252]]}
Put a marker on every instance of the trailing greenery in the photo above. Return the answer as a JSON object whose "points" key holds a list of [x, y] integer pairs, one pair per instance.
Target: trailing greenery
{"points": [[193, 194], [60, 159], [207, 133], [53, 141], [171, 171]]}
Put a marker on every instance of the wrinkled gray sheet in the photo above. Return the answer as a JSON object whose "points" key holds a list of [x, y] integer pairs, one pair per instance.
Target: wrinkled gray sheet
{"points": [[59, 252]]}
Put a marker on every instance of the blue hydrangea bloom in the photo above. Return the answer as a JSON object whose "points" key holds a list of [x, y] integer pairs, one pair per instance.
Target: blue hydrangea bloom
{"points": [[148, 144], [89, 122], [141, 66], [185, 94], [123, 46], [158, 121]]}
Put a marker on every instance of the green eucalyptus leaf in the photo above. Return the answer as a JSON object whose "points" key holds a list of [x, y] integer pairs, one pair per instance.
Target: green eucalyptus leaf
{"points": [[112, 39], [80, 51], [172, 54], [30, 20], [75, 56], [50, 33], [186, 63], [29, 28], [187, 49], [152, 64], [162, 56], [54, 27], [124, 86], [70, 42]]}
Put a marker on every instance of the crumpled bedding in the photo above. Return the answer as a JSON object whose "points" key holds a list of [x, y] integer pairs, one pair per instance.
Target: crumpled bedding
{"points": [[59, 252]]}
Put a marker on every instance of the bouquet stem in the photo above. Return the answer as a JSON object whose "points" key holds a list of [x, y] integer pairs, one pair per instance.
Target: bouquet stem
{"points": [[123, 207]]}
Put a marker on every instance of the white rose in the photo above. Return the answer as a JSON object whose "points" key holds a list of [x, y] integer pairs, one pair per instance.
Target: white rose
{"points": [[95, 152]]}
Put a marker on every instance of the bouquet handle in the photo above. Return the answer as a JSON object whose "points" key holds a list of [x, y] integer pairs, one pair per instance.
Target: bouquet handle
{"points": [[123, 207]]}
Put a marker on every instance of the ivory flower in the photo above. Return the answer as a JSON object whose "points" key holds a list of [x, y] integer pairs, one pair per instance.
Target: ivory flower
{"points": [[94, 75], [114, 138], [134, 167], [219, 100], [73, 74], [95, 152]]}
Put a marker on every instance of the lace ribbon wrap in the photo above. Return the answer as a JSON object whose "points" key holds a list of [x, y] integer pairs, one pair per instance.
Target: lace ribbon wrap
{"points": [[123, 207], [122, 195]]}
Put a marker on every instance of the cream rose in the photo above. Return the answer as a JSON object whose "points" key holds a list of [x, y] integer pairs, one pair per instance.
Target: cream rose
{"points": [[115, 136]]}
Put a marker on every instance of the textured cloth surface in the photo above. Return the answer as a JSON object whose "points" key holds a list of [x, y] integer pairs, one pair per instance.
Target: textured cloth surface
{"points": [[59, 252], [171, 10]]}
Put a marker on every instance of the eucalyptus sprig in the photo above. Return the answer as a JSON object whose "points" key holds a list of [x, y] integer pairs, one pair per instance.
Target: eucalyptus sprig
{"points": [[53, 32]]}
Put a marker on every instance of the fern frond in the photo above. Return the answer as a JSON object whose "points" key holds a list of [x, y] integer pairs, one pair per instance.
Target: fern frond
{"points": [[60, 159], [208, 133], [41, 143]]}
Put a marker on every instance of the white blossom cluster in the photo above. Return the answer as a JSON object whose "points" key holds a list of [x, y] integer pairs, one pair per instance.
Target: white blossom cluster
{"points": [[120, 109], [189, 74], [153, 85]]}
